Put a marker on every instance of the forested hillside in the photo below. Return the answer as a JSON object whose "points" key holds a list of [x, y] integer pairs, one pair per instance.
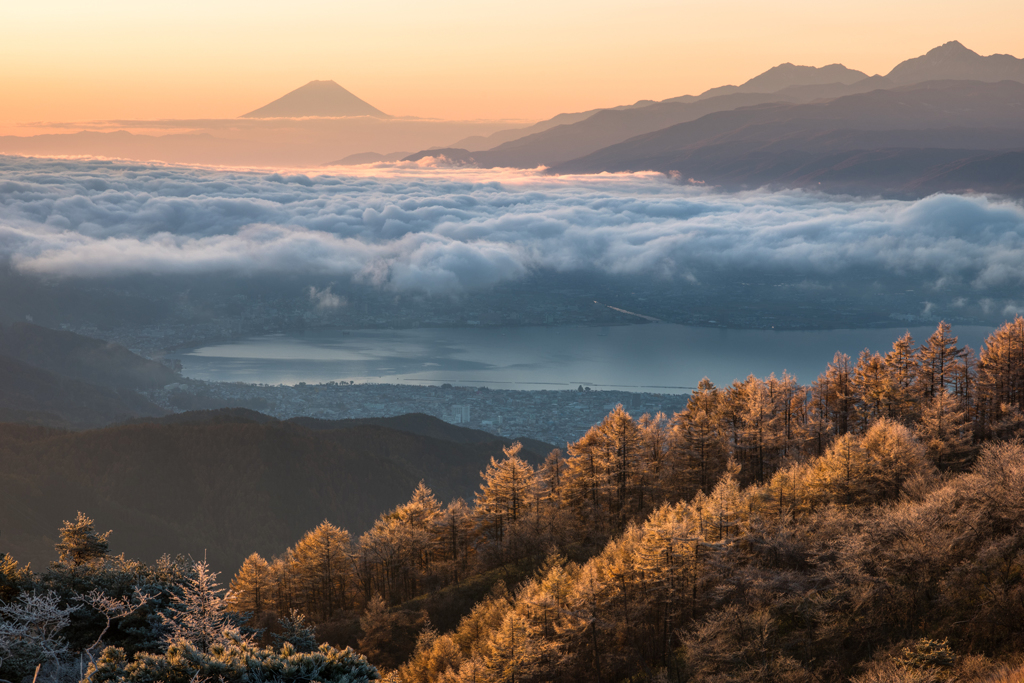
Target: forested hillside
{"points": [[769, 531], [866, 527], [30, 395], [61, 379], [224, 483], [82, 358]]}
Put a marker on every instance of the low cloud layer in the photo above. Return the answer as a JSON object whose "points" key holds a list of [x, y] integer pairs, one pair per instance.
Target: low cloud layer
{"points": [[411, 228]]}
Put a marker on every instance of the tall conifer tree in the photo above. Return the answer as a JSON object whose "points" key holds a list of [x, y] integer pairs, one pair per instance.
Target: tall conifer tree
{"points": [[937, 360]]}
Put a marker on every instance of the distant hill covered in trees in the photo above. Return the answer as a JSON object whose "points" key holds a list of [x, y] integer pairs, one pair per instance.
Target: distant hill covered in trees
{"points": [[225, 483], [62, 379], [867, 527]]}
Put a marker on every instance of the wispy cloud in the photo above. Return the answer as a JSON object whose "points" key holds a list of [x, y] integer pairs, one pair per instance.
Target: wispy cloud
{"points": [[325, 299], [408, 227]]}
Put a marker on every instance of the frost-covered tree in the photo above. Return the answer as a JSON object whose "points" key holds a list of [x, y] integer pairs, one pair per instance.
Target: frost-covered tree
{"points": [[110, 609], [30, 633], [80, 544], [234, 661], [296, 630], [199, 615]]}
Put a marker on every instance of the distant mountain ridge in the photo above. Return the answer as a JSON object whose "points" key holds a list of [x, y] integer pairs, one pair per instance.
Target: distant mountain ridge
{"points": [[549, 145], [778, 78], [786, 76], [935, 136], [953, 61], [367, 158], [609, 126], [957, 126], [316, 98]]}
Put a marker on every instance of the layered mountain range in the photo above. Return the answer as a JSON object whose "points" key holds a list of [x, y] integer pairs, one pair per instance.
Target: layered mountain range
{"points": [[948, 120]]}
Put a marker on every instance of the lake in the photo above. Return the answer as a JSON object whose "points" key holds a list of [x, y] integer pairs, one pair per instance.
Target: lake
{"points": [[659, 358]]}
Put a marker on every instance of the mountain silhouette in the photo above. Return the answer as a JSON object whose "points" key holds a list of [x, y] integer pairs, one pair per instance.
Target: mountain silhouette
{"points": [[929, 137], [784, 76], [316, 98], [568, 136], [953, 61], [554, 145], [606, 127]]}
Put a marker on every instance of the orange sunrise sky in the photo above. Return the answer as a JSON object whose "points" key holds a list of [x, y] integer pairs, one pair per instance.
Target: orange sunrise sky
{"points": [[451, 59]]}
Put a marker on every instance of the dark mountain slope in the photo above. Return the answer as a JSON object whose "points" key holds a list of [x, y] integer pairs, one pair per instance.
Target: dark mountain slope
{"points": [[577, 134], [938, 135], [935, 105], [862, 105], [62, 379], [231, 485], [476, 143], [427, 425], [606, 127], [34, 396], [418, 424], [82, 358], [891, 172], [215, 416]]}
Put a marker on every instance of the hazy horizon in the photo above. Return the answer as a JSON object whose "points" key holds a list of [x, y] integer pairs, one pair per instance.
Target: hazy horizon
{"points": [[456, 62]]}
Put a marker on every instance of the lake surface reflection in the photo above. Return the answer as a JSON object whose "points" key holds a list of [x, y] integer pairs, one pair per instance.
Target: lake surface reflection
{"points": [[661, 358]]}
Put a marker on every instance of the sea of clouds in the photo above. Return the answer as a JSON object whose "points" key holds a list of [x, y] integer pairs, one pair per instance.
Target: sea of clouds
{"points": [[412, 228]]}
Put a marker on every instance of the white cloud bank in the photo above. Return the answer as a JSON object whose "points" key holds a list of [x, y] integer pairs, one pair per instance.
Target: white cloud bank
{"points": [[410, 228]]}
